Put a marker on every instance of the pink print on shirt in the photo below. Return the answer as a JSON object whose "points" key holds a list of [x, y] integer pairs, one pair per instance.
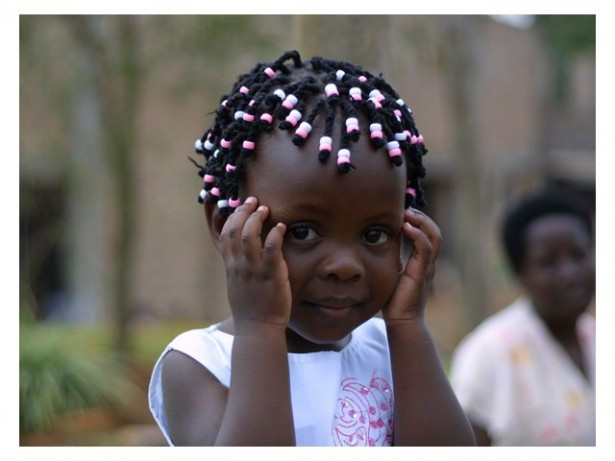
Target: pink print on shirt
{"points": [[364, 415]]}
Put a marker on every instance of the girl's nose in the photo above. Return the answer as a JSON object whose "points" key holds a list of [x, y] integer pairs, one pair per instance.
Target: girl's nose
{"points": [[342, 263]]}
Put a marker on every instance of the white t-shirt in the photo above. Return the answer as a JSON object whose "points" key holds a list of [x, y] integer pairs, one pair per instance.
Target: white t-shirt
{"points": [[516, 381], [340, 398]]}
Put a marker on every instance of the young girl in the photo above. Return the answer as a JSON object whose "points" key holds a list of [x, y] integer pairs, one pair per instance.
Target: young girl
{"points": [[312, 249]]}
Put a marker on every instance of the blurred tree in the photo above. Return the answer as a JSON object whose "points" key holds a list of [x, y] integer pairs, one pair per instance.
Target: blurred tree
{"points": [[111, 56], [461, 36], [363, 40]]}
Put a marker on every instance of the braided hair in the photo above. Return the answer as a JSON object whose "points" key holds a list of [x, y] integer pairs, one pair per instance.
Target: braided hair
{"points": [[282, 93]]}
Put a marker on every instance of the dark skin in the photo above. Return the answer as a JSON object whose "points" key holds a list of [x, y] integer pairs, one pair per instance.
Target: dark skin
{"points": [[310, 256], [558, 274]]}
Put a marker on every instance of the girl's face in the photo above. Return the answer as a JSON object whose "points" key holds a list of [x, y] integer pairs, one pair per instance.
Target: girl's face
{"points": [[343, 238], [559, 268]]}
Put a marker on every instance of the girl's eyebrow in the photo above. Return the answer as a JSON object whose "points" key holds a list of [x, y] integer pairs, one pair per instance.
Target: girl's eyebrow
{"points": [[320, 211]]}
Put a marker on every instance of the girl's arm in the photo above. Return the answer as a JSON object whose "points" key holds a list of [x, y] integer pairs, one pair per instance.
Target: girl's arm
{"points": [[426, 409], [257, 408]]}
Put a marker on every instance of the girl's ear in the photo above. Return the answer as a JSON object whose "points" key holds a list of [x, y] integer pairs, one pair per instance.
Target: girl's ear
{"points": [[215, 223]]}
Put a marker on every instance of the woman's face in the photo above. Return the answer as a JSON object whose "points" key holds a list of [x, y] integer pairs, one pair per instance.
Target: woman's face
{"points": [[558, 270]]}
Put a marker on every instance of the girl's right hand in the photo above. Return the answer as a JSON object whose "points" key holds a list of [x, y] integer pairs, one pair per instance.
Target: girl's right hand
{"points": [[257, 275]]}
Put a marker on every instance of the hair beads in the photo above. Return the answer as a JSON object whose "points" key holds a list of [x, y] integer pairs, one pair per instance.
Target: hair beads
{"points": [[297, 93]]}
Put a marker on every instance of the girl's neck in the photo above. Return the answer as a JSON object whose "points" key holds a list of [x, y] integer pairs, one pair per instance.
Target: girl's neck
{"points": [[295, 342]]}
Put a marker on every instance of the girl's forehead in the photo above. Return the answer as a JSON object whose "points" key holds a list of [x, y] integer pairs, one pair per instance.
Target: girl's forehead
{"points": [[278, 164], [277, 159]]}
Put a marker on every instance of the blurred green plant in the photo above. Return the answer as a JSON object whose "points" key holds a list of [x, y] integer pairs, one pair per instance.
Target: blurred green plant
{"points": [[57, 377]]}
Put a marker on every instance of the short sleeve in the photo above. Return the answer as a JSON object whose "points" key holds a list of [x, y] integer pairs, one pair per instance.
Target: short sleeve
{"points": [[210, 347]]}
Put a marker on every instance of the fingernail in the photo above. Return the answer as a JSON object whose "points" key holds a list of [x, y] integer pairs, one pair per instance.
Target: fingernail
{"points": [[261, 208], [250, 200]]}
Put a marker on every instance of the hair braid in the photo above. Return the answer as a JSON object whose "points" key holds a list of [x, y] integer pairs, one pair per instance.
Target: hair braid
{"points": [[281, 93]]}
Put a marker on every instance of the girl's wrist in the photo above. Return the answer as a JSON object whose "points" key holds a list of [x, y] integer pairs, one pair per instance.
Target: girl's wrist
{"points": [[410, 322], [259, 328]]}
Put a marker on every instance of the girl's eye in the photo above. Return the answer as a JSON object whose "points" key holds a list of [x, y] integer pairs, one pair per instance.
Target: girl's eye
{"points": [[303, 233], [376, 237]]}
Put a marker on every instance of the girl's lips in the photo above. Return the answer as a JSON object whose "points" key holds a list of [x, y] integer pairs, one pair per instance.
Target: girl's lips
{"points": [[334, 308], [336, 303]]}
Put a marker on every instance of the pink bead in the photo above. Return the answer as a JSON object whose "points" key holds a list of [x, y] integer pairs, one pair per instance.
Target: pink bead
{"points": [[225, 143], [326, 147], [355, 93], [397, 112], [351, 128], [331, 90], [234, 203], [215, 191], [420, 138], [230, 168], [342, 160], [395, 152], [294, 117], [251, 103], [267, 117], [248, 145], [413, 139], [248, 117], [290, 101], [302, 132], [209, 178], [376, 135], [270, 72], [411, 191], [376, 103], [244, 90], [362, 78]]}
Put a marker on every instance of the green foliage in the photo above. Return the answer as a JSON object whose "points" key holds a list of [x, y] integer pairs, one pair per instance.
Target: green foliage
{"points": [[568, 35], [57, 376]]}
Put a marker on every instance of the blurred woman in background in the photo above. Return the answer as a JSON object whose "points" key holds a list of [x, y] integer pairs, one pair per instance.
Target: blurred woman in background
{"points": [[526, 375]]}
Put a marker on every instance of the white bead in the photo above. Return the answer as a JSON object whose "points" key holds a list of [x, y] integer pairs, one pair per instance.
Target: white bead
{"points": [[400, 102], [392, 145], [295, 114], [280, 93], [374, 93], [198, 145], [238, 115], [340, 74], [222, 203], [202, 193], [292, 99], [351, 121], [343, 153], [375, 127], [209, 145], [354, 90], [400, 136], [306, 126], [326, 140]]}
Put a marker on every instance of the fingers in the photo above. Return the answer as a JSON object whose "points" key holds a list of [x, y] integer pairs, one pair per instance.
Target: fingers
{"points": [[230, 237], [241, 234], [427, 241], [272, 249]]}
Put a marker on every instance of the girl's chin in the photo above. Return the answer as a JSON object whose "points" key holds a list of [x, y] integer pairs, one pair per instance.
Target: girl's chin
{"points": [[299, 343]]}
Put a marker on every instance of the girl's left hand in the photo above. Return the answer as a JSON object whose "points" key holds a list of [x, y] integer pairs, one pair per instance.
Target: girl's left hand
{"points": [[409, 298]]}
